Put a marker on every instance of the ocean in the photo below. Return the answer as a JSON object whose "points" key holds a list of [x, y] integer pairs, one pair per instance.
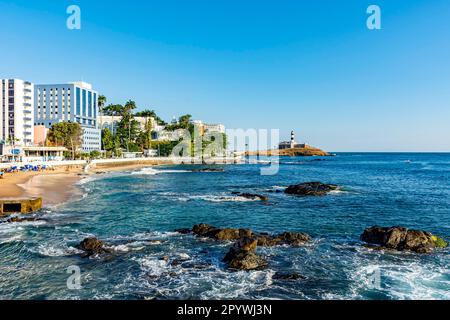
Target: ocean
{"points": [[138, 211]]}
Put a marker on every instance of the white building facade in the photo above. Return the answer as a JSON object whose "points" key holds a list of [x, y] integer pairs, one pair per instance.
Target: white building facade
{"points": [[74, 102], [16, 112]]}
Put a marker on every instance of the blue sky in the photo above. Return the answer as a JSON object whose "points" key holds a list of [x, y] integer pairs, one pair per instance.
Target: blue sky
{"points": [[311, 66]]}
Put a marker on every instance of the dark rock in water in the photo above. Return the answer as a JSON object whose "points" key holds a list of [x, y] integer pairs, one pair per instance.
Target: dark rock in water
{"points": [[247, 261], [206, 230], [251, 196], [286, 238], [184, 231], [401, 238], [242, 255], [294, 238], [310, 189], [263, 239], [288, 276], [209, 170], [92, 246], [194, 265]]}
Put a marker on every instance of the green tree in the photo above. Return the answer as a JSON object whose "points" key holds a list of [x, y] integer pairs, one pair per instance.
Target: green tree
{"points": [[107, 140], [95, 154], [152, 114], [101, 101], [146, 136], [67, 134]]}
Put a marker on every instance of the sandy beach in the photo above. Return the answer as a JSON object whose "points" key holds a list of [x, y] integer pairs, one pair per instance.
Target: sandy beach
{"points": [[56, 186]]}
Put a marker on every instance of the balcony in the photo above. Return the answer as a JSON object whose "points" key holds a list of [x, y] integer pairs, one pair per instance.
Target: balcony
{"points": [[27, 126], [27, 119], [27, 104], [27, 111]]}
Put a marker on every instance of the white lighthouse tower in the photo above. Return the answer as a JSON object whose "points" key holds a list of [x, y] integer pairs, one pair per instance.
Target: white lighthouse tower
{"points": [[292, 139]]}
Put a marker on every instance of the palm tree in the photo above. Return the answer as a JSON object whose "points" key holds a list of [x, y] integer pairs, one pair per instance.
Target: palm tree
{"points": [[130, 105], [147, 114], [101, 101]]}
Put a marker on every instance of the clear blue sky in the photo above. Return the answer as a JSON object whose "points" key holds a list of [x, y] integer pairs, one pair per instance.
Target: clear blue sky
{"points": [[312, 66]]}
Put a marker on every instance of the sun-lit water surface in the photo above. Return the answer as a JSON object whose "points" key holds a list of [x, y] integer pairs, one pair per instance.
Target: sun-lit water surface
{"points": [[137, 212]]}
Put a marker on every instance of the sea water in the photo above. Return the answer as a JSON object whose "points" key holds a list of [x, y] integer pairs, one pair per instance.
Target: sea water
{"points": [[136, 212]]}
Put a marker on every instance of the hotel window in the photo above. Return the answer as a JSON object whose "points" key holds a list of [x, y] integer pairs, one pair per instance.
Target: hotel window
{"points": [[90, 104], [84, 103], [78, 97]]}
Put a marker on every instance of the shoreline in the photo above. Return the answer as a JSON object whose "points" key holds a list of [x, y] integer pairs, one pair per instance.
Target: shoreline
{"points": [[58, 186]]}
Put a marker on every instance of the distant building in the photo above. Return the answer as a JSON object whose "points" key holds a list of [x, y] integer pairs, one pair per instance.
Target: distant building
{"points": [[16, 112], [290, 144], [74, 102]]}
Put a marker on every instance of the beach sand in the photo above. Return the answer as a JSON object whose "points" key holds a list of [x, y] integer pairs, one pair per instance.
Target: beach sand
{"points": [[54, 186], [57, 186]]}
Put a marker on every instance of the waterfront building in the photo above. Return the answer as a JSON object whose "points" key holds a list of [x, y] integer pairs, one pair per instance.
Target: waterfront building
{"points": [[30, 154], [74, 102], [111, 122], [16, 112]]}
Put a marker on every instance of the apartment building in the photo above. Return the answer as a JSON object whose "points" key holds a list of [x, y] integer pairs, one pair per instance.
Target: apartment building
{"points": [[16, 112]]}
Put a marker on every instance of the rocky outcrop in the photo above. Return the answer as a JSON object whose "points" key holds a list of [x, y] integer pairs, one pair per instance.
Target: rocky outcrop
{"points": [[287, 238], [227, 234], [93, 246], [263, 239], [242, 255], [288, 276], [251, 196], [209, 170], [310, 189], [401, 238]]}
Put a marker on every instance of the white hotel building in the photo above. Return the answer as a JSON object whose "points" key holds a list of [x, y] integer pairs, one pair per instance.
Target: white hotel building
{"points": [[74, 102], [16, 112]]}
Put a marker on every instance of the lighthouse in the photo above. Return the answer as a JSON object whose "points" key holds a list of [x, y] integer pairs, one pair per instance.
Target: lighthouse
{"points": [[292, 139]]}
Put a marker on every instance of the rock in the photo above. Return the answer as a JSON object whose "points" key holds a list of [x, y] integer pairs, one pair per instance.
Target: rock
{"points": [[310, 189], [286, 238], [294, 238], [288, 276], [92, 246], [197, 266], [265, 240], [204, 229], [247, 261], [165, 258], [242, 255], [401, 238], [184, 231], [251, 196], [209, 170]]}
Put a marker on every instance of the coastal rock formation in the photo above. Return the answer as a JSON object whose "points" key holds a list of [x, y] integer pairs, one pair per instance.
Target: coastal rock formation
{"points": [[288, 276], [227, 234], [242, 255], [401, 238], [209, 170], [287, 238], [263, 239], [93, 246], [310, 189], [251, 196]]}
